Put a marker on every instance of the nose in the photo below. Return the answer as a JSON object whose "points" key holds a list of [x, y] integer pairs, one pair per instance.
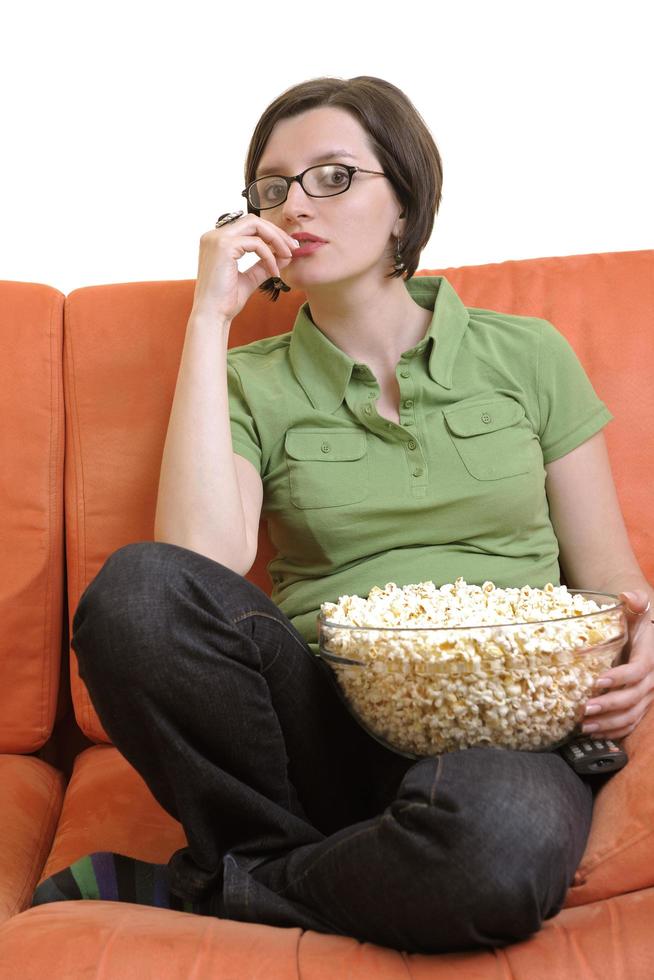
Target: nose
{"points": [[297, 201]]}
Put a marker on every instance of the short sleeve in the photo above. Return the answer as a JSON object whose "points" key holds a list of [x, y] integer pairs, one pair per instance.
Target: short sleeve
{"points": [[245, 440], [570, 409]]}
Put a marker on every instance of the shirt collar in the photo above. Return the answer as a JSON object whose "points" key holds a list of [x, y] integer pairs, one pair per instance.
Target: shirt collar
{"points": [[324, 370]]}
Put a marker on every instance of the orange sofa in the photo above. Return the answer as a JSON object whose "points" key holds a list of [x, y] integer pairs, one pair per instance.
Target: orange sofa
{"points": [[87, 382]]}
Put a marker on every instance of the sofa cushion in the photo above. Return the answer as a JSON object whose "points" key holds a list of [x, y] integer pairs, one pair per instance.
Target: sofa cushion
{"points": [[619, 855], [120, 939], [31, 512], [30, 804], [108, 807]]}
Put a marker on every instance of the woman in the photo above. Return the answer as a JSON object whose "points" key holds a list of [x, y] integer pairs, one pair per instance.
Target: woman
{"points": [[293, 815]]}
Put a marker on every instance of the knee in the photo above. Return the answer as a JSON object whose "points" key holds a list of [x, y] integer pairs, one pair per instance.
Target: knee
{"points": [[494, 853], [119, 577], [510, 887], [123, 597]]}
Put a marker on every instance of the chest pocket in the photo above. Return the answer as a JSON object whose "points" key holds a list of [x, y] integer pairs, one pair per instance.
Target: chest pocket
{"points": [[326, 467], [493, 438]]}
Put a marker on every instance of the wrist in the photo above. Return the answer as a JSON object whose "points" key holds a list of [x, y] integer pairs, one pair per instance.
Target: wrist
{"points": [[210, 319]]}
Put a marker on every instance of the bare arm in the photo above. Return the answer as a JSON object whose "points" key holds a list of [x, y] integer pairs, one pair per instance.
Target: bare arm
{"points": [[595, 551], [209, 500], [201, 503], [596, 554]]}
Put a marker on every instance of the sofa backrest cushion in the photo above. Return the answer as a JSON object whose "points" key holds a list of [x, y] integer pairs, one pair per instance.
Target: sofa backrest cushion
{"points": [[31, 512]]}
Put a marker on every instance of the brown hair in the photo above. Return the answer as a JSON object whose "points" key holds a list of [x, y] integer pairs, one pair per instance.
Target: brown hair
{"points": [[399, 138]]}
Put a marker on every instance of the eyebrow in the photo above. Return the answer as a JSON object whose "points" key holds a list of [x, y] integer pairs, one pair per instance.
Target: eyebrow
{"points": [[328, 155]]}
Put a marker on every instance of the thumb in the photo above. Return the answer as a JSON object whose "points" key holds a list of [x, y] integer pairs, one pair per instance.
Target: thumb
{"points": [[637, 602]]}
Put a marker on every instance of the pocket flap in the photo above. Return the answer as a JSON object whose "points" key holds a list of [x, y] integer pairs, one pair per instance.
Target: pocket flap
{"points": [[484, 416], [325, 445]]}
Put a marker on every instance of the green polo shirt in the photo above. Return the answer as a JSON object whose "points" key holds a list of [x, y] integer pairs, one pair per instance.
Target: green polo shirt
{"points": [[353, 500]]}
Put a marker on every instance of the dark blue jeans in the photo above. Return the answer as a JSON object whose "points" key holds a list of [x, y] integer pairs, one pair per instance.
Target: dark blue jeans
{"points": [[294, 816]]}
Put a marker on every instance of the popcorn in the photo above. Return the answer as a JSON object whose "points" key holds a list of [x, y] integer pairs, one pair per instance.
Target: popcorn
{"points": [[517, 677]]}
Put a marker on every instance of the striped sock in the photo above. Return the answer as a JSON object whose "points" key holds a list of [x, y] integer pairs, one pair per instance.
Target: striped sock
{"points": [[117, 878]]}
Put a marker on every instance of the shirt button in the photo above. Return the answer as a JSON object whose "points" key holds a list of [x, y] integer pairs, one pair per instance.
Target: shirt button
{"points": [[411, 444], [418, 471], [367, 409], [404, 374], [486, 417], [408, 403], [325, 447]]}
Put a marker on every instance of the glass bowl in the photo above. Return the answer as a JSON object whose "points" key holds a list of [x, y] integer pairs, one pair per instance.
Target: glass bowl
{"points": [[425, 690]]}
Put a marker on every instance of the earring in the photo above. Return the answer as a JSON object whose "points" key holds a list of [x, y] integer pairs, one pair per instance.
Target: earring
{"points": [[399, 264], [280, 284]]}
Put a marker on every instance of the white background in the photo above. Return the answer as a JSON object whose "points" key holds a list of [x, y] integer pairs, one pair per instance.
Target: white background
{"points": [[125, 125]]}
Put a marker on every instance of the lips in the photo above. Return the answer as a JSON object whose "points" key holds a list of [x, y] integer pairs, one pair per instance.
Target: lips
{"points": [[304, 236], [308, 244]]}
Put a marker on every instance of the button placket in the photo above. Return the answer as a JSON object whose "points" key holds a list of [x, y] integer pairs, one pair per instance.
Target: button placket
{"points": [[417, 466], [417, 474], [406, 391], [407, 415]]}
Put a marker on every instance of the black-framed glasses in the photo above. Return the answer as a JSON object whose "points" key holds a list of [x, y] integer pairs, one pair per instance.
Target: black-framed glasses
{"points": [[325, 180]]}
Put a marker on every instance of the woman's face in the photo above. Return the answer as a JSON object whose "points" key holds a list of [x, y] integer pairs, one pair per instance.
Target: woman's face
{"points": [[357, 225]]}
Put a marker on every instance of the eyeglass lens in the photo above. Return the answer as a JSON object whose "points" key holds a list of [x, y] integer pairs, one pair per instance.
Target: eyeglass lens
{"points": [[322, 181]]}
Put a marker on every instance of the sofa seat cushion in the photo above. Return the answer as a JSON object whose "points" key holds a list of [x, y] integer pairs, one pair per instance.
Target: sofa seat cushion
{"points": [[114, 940], [30, 804], [109, 807]]}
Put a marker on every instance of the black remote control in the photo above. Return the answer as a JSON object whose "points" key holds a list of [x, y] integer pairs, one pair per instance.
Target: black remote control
{"points": [[589, 756]]}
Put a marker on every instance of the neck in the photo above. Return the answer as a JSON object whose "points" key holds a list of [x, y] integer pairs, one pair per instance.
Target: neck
{"points": [[373, 324]]}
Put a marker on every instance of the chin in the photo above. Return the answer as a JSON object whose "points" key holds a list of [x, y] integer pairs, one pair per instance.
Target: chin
{"points": [[312, 277], [302, 278]]}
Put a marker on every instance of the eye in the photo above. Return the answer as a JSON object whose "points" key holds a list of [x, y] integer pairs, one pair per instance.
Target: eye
{"points": [[336, 175], [272, 189]]}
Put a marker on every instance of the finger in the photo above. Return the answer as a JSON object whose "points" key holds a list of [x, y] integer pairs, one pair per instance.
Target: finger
{"points": [[277, 240], [618, 678], [623, 700], [636, 602], [637, 605], [617, 733], [617, 730], [265, 253], [272, 234], [611, 729], [626, 675], [615, 719]]}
